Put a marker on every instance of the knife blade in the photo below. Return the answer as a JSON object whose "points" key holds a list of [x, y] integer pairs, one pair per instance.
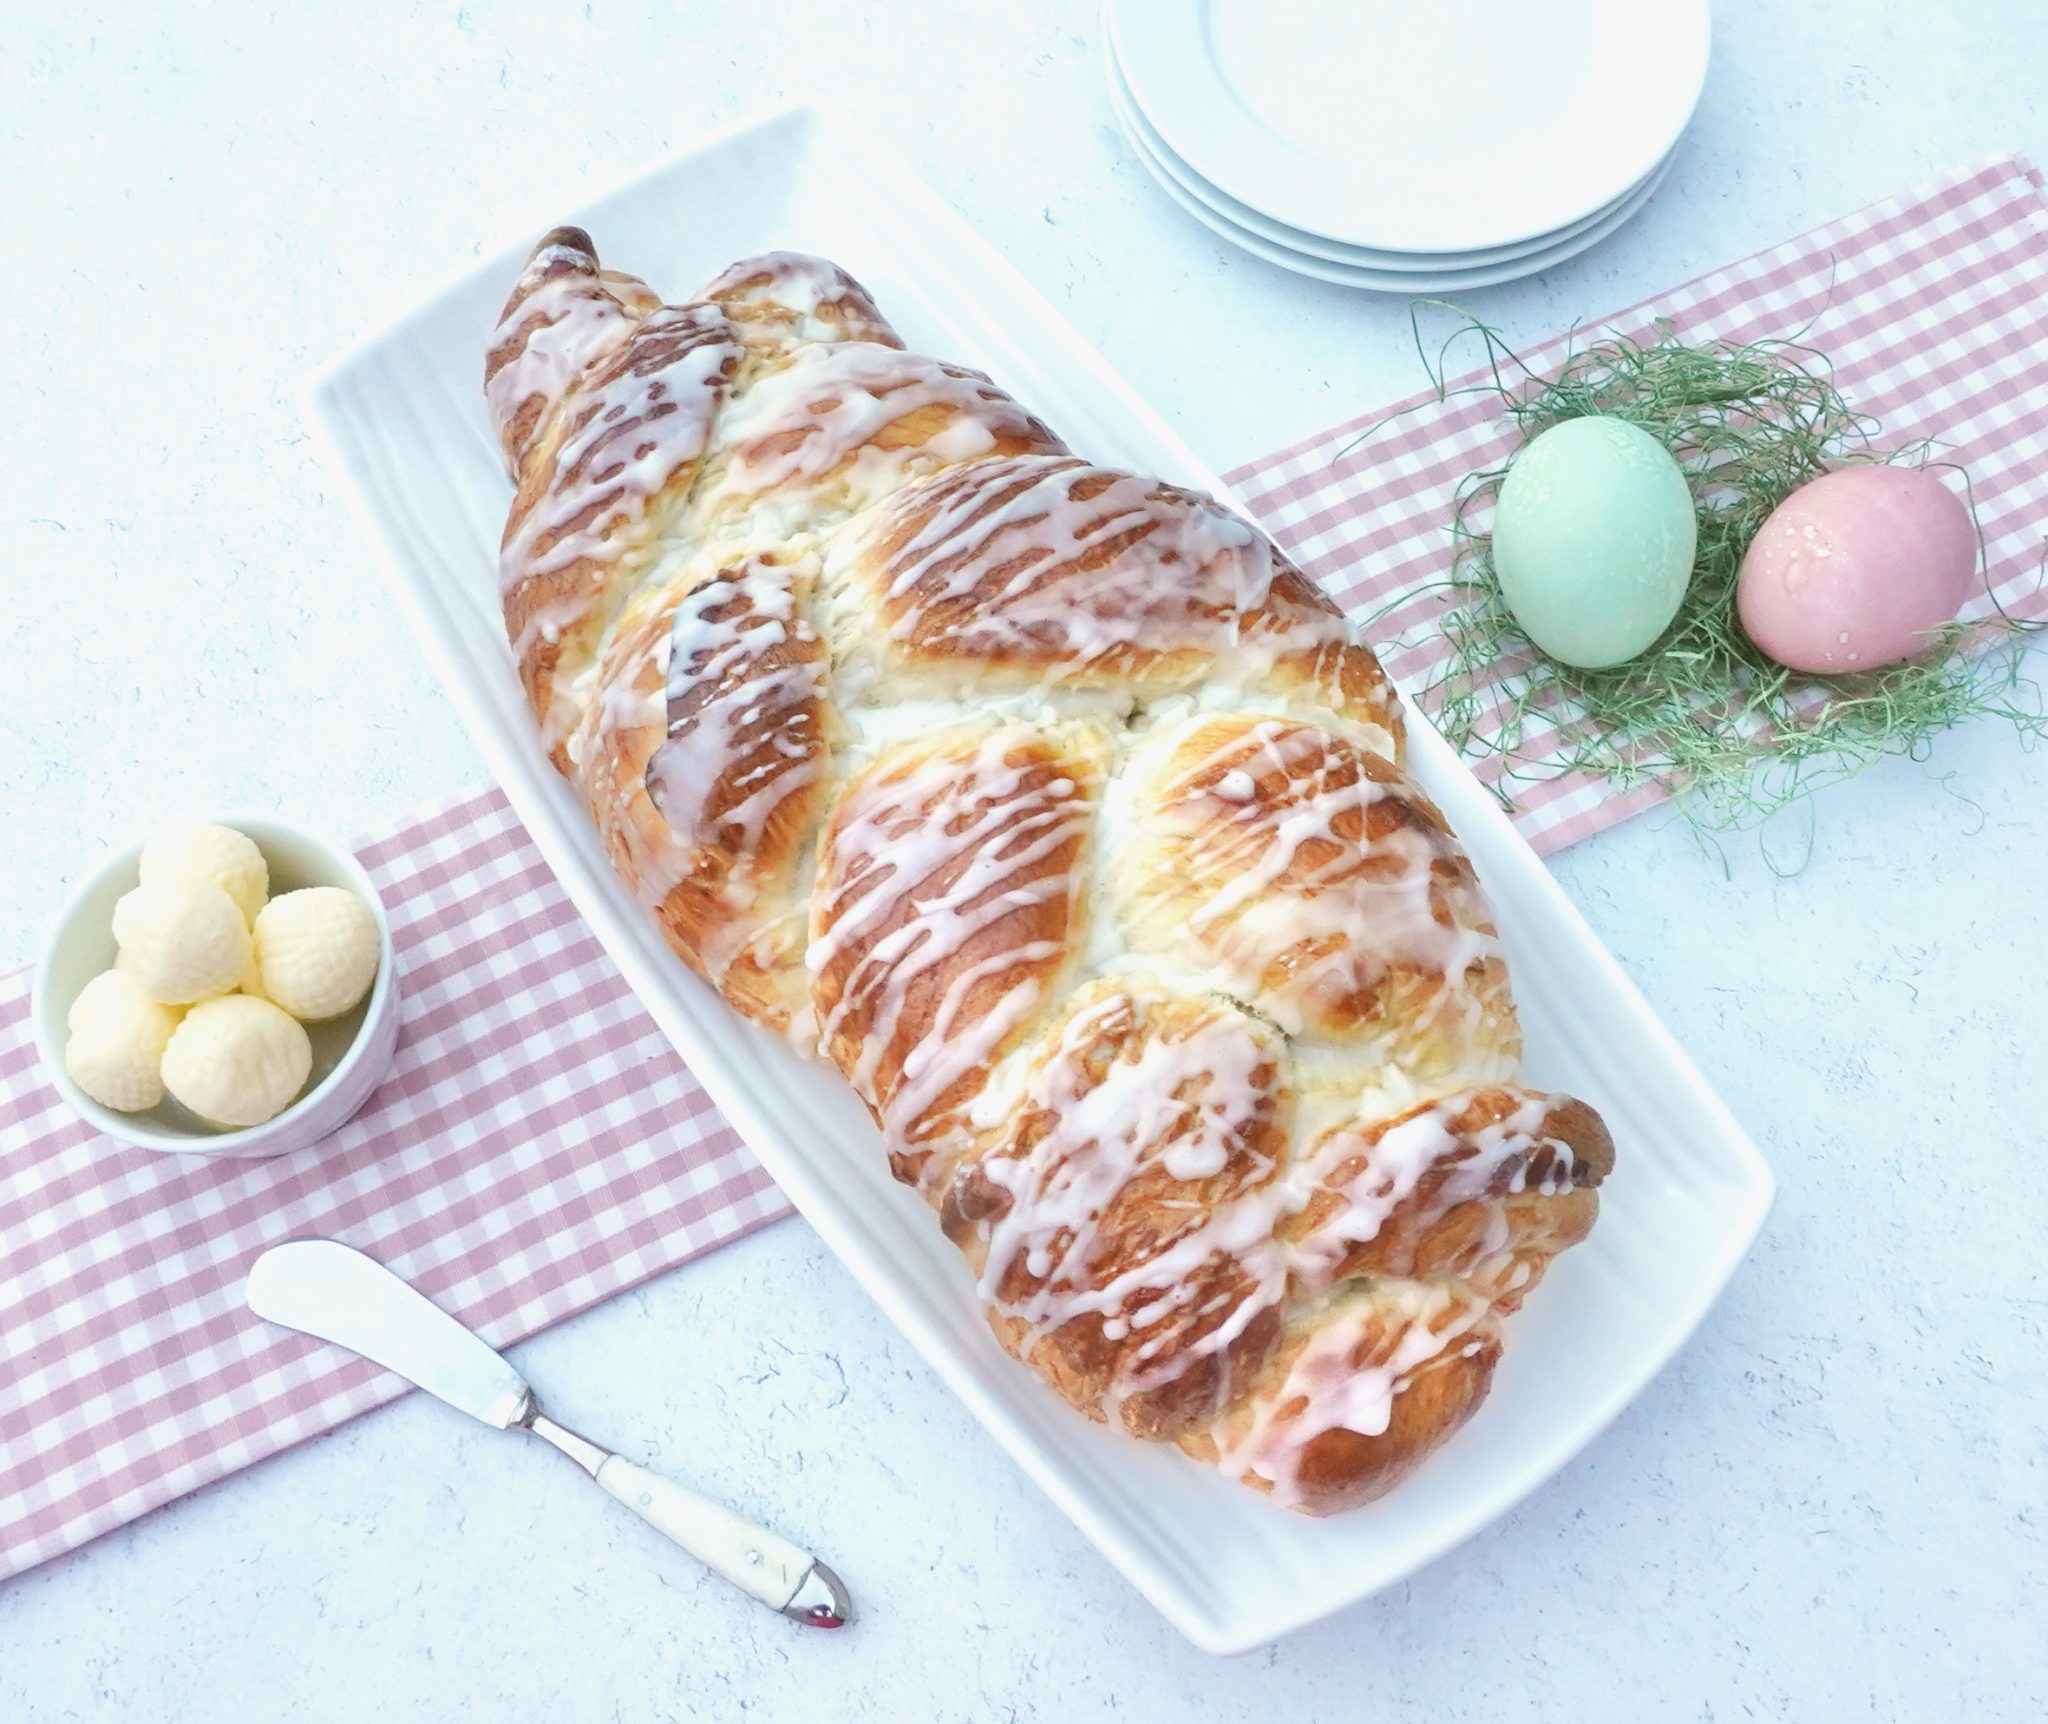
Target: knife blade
{"points": [[323, 1288]]}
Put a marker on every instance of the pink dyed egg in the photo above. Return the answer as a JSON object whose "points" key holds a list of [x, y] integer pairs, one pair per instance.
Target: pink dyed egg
{"points": [[1854, 568]]}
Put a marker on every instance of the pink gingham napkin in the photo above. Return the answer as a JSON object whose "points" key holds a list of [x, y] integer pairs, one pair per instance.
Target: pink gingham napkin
{"points": [[1933, 307], [537, 1147]]}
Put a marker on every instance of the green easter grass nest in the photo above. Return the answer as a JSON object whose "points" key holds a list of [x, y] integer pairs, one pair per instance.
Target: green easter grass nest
{"points": [[1702, 711]]}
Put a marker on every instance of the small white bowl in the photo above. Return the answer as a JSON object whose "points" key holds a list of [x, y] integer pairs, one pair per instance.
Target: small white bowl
{"points": [[351, 1053]]}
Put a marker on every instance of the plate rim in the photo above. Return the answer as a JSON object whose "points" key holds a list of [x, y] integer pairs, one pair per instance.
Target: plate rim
{"points": [[1744, 1203], [1368, 278], [1172, 84], [1319, 246]]}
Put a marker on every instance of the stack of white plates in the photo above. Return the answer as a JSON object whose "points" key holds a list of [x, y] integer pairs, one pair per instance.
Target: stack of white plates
{"points": [[1408, 145]]}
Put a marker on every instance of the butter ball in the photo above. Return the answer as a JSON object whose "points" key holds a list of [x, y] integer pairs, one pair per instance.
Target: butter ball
{"points": [[182, 940], [116, 1044], [196, 851], [237, 1061], [316, 950]]}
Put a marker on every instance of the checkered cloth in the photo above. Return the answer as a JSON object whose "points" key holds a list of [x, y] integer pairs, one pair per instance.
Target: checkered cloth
{"points": [[1934, 309], [537, 1147]]}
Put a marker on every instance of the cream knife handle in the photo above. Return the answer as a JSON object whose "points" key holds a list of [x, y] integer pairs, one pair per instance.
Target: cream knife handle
{"points": [[751, 1557], [764, 1564]]}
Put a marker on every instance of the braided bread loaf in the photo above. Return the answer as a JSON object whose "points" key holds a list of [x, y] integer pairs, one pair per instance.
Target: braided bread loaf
{"points": [[1055, 808]]}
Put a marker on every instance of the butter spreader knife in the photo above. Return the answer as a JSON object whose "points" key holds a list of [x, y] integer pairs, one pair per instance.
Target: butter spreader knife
{"points": [[324, 1288]]}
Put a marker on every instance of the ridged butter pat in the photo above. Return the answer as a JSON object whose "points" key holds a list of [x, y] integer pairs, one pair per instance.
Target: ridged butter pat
{"points": [[195, 850], [183, 940], [316, 951], [116, 1043], [237, 1061]]}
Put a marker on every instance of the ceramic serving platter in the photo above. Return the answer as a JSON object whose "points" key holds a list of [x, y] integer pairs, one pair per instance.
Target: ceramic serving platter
{"points": [[402, 418]]}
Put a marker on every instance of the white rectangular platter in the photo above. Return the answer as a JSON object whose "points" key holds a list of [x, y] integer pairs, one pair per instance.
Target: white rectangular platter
{"points": [[403, 418]]}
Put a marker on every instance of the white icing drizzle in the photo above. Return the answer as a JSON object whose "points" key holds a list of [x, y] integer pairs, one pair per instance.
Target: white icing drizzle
{"points": [[1044, 688], [791, 296], [933, 849], [564, 316], [1191, 1104], [1188, 1105], [743, 733], [1278, 868], [646, 417], [721, 637], [1373, 1173], [638, 428], [1336, 1383], [823, 417], [718, 686], [1075, 570]]}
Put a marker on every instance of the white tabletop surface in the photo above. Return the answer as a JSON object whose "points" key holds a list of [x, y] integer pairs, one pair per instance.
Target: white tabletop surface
{"points": [[1830, 1507]]}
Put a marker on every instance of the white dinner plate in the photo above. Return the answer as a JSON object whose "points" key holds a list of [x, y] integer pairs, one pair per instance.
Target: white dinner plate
{"points": [[1417, 127], [401, 417], [1523, 261], [1160, 157]]}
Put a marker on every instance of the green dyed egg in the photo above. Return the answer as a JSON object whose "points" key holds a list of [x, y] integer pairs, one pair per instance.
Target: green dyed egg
{"points": [[1593, 541]]}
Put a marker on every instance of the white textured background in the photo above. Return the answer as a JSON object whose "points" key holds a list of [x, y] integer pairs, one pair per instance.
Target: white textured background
{"points": [[1831, 1508]]}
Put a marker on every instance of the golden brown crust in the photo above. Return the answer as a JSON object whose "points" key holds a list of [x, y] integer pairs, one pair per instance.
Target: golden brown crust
{"points": [[780, 299], [945, 907], [1325, 885], [705, 764], [1090, 1215], [565, 314], [1063, 814], [830, 429], [618, 458], [1486, 1185], [1343, 1467], [1362, 1388], [1048, 569]]}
